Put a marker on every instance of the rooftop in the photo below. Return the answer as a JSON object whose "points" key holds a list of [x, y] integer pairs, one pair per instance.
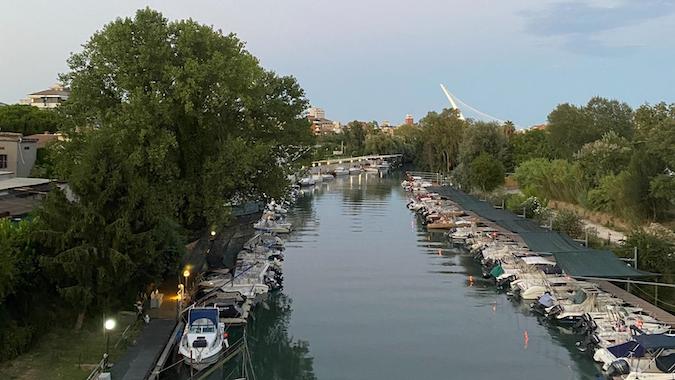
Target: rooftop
{"points": [[19, 182], [56, 90]]}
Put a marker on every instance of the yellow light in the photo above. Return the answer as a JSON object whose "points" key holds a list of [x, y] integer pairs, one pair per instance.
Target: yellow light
{"points": [[186, 273], [213, 233]]}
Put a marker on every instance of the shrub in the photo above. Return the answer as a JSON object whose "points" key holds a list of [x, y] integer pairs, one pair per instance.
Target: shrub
{"points": [[568, 222]]}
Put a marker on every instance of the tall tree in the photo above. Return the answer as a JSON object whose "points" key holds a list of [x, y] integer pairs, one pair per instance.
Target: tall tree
{"points": [[486, 173], [570, 127], [442, 136], [192, 93]]}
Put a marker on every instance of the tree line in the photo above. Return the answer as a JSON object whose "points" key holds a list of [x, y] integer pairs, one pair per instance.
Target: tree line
{"points": [[167, 122]]}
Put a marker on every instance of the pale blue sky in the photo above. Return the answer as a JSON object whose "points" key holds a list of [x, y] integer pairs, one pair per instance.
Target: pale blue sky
{"points": [[381, 59]]}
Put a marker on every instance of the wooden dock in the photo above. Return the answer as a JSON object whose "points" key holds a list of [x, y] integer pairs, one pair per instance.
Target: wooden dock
{"points": [[636, 301]]}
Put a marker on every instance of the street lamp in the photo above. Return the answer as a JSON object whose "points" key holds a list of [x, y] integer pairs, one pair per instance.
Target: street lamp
{"points": [[186, 274], [109, 325]]}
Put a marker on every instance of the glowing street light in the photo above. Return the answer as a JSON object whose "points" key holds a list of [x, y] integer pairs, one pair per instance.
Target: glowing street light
{"points": [[108, 325], [186, 274]]}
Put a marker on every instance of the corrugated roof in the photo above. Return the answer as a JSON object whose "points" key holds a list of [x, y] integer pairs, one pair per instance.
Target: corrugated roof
{"points": [[51, 91], [17, 182]]}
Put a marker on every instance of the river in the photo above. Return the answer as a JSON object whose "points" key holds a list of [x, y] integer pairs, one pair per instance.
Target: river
{"points": [[370, 294]]}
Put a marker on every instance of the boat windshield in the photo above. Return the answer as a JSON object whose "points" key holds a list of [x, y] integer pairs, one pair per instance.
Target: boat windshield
{"points": [[202, 329]]}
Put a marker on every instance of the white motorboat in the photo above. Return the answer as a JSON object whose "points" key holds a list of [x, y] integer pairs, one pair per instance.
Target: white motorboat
{"points": [[384, 165], [203, 339], [371, 169], [340, 171], [268, 225], [354, 170], [307, 181], [327, 177]]}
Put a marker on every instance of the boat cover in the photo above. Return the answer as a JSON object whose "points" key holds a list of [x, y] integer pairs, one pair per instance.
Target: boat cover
{"points": [[536, 260], [627, 349], [656, 341], [207, 313], [546, 300], [572, 257], [666, 363], [497, 271]]}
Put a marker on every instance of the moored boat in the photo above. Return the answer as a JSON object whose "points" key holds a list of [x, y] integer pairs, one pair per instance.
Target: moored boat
{"points": [[203, 338]]}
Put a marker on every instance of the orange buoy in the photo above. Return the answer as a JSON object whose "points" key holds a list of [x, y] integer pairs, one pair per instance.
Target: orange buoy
{"points": [[526, 338]]}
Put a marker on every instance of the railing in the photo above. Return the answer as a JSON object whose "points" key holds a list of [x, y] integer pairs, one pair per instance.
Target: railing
{"points": [[438, 178]]}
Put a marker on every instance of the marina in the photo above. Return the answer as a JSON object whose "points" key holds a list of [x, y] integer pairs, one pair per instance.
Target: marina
{"points": [[629, 338]]}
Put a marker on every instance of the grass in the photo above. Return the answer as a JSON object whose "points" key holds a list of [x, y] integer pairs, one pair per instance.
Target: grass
{"points": [[66, 354]]}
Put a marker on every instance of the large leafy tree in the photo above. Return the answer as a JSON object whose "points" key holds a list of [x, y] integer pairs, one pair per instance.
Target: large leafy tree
{"points": [[441, 134], [486, 173], [530, 144], [192, 95], [570, 126], [167, 121]]}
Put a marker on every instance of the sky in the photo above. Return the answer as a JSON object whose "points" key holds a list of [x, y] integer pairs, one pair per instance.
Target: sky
{"points": [[382, 59]]}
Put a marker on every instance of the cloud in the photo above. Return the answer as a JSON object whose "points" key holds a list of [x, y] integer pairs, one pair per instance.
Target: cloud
{"points": [[580, 24]]}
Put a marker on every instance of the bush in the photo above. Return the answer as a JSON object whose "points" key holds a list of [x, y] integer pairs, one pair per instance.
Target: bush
{"points": [[568, 222], [514, 203], [14, 340]]}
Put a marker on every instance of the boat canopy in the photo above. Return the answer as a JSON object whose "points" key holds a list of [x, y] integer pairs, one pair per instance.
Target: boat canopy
{"points": [[210, 313], [627, 349], [656, 341], [536, 260], [572, 257]]}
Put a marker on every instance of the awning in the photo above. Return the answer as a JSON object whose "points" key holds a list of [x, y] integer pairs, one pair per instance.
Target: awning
{"points": [[595, 263], [656, 341], [572, 257]]}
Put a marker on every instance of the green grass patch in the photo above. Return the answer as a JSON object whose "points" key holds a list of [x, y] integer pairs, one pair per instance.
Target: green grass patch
{"points": [[66, 354]]}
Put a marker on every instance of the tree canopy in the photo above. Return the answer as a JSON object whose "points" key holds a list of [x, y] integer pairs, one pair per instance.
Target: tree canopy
{"points": [[28, 120]]}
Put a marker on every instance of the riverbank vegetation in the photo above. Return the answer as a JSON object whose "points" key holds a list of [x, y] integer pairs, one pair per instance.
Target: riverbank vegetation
{"points": [[603, 157], [167, 122]]}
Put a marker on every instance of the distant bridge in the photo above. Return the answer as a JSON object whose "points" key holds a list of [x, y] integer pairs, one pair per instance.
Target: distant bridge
{"points": [[351, 160], [455, 102]]}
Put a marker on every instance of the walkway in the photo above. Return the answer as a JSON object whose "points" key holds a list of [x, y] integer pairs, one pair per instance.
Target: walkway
{"points": [[634, 300], [140, 358]]}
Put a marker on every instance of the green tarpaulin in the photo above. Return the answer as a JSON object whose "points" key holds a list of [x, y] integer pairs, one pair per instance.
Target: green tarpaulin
{"points": [[573, 258]]}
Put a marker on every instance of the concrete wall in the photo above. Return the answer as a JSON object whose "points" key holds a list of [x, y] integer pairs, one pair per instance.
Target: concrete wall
{"points": [[21, 155]]}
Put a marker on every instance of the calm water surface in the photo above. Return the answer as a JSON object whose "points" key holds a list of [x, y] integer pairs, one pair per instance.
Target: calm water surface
{"points": [[370, 294]]}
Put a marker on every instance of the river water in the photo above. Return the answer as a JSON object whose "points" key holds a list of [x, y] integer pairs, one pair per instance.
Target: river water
{"points": [[370, 294]]}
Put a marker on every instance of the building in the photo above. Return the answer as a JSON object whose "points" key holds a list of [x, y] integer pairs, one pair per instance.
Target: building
{"points": [[321, 125], [17, 154], [45, 138], [49, 98], [19, 196], [316, 113], [409, 120]]}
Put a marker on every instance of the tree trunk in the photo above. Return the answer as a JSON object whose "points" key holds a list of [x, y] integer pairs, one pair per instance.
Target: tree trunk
{"points": [[80, 320]]}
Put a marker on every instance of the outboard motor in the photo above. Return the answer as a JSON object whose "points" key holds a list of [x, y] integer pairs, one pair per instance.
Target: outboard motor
{"points": [[618, 367], [554, 311]]}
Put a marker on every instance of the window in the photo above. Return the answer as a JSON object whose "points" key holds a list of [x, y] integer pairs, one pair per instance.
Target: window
{"points": [[3, 161]]}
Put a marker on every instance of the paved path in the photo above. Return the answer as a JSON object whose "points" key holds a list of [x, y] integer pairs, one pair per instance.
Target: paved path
{"points": [[140, 358]]}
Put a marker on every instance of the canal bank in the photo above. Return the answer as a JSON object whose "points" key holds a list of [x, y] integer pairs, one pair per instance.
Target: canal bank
{"points": [[370, 294]]}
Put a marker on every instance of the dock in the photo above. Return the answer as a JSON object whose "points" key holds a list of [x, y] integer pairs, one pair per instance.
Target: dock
{"points": [[636, 301], [140, 358]]}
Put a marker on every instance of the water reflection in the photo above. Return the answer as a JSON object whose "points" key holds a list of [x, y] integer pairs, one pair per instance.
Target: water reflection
{"points": [[274, 354]]}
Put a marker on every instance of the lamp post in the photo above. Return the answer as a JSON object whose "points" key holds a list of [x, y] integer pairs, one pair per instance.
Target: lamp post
{"points": [[186, 274], [109, 325]]}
